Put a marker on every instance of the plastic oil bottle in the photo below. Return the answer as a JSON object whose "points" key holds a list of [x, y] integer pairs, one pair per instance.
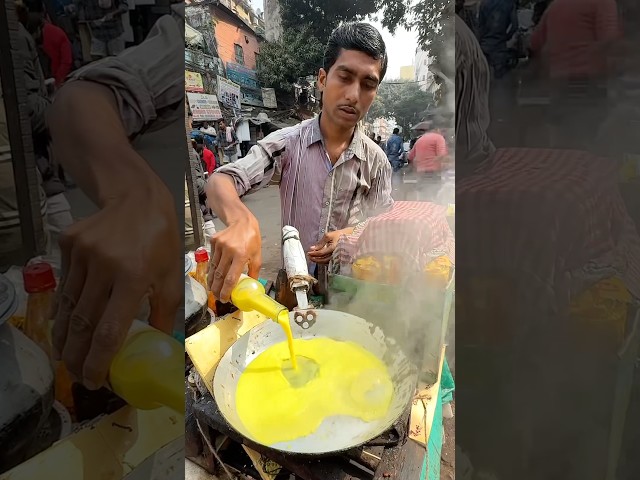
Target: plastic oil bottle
{"points": [[40, 284], [202, 265], [148, 371], [249, 295]]}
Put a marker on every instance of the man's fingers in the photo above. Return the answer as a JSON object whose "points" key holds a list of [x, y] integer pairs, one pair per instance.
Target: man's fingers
{"points": [[83, 321], [110, 334], [220, 273], [164, 306], [323, 260], [321, 253], [231, 279], [68, 296], [321, 244], [255, 264], [216, 250]]}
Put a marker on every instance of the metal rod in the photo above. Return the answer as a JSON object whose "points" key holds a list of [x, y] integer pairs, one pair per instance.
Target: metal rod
{"points": [[19, 129]]}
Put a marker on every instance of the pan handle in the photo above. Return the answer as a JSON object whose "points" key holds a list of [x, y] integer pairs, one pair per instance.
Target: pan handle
{"points": [[389, 438]]}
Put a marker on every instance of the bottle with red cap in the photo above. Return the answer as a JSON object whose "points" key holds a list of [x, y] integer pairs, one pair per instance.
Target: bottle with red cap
{"points": [[40, 284], [202, 265]]}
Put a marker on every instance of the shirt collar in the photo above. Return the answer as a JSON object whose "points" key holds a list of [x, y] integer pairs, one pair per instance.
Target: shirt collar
{"points": [[356, 148]]}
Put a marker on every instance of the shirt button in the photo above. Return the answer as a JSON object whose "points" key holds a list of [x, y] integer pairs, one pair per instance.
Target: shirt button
{"points": [[331, 174], [326, 204]]}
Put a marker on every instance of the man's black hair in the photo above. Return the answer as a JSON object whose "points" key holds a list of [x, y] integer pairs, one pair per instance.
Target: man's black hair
{"points": [[396, 131], [356, 36]]}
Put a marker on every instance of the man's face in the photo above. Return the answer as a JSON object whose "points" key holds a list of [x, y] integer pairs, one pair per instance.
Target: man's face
{"points": [[223, 125], [349, 88]]}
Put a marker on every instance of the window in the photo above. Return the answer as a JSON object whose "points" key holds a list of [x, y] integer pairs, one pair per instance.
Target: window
{"points": [[239, 53]]}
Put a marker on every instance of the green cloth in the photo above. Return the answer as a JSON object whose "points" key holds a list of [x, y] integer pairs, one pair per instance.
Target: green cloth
{"points": [[431, 466]]}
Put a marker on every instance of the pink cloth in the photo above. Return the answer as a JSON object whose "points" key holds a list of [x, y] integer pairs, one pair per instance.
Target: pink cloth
{"points": [[417, 232]]}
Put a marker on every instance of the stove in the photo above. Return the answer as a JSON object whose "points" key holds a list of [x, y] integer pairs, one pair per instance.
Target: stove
{"points": [[389, 456]]}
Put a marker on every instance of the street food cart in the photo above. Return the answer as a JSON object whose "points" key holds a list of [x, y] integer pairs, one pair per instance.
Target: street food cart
{"points": [[410, 448]]}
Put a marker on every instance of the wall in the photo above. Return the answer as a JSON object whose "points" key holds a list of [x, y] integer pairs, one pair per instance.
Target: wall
{"points": [[229, 31], [423, 74]]}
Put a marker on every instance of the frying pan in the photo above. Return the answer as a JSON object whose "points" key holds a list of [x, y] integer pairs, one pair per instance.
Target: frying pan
{"points": [[337, 433]]}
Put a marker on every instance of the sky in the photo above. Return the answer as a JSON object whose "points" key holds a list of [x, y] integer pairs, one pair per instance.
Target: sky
{"points": [[401, 46]]}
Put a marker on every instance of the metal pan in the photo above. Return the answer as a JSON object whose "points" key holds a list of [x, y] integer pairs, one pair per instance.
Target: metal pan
{"points": [[335, 434]]}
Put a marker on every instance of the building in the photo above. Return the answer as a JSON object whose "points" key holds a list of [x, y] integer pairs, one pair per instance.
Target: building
{"points": [[237, 36], [408, 72], [237, 41], [383, 127], [272, 20], [423, 74]]}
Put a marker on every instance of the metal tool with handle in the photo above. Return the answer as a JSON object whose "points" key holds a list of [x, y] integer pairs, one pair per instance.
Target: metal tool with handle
{"points": [[295, 264]]}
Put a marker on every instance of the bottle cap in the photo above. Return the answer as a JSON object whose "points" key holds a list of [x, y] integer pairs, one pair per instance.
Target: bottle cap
{"points": [[38, 277], [202, 255]]}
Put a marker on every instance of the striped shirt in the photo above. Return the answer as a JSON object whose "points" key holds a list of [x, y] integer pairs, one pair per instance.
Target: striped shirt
{"points": [[315, 196]]}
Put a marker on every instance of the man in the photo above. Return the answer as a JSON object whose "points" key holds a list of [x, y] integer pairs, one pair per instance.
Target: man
{"points": [[53, 41], [121, 161], [331, 175], [427, 156], [207, 156], [395, 150], [497, 23], [577, 37], [208, 129], [227, 141], [104, 18]]}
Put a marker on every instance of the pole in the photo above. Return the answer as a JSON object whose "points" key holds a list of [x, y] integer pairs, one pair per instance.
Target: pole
{"points": [[20, 138]]}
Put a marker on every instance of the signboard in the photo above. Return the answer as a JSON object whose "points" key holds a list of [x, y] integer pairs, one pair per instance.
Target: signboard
{"points": [[248, 81], [243, 76], [203, 61], [269, 98], [204, 107], [193, 82], [229, 93]]}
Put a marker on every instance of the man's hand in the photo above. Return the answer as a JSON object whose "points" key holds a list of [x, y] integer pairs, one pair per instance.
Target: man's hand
{"points": [[111, 261], [322, 251], [235, 247]]}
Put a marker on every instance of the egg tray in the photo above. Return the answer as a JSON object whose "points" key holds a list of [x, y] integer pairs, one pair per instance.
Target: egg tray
{"points": [[387, 447]]}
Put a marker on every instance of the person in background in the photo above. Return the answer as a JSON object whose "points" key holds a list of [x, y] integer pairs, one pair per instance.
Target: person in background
{"points": [[497, 24], [207, 156], [210, 135], [394, 150], [208, 129], [53, 41], [576, 37], [228, 141], [104, 18], [332, 177], [427, 156]]}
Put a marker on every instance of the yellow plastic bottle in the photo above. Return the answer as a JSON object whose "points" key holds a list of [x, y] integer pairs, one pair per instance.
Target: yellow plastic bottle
{"points": [[148, 371], [249, 295]]}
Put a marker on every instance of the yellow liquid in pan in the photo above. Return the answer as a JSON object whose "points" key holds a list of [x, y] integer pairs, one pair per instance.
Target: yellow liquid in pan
{"points": [[277, 403]]}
